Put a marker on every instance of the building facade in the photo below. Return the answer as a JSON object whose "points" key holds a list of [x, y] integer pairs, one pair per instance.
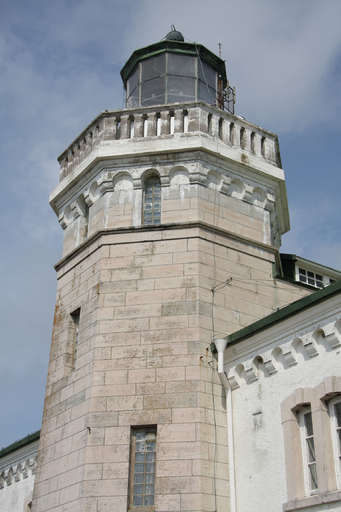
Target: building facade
{"points": [[173, 210], [284, 375], [18, 464]]}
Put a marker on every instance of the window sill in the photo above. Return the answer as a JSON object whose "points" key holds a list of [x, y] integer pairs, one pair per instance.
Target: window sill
{"points": [[311, 501], [141, 508]]}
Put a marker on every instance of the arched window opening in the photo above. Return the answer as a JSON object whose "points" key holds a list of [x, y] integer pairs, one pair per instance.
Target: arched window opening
{"points": [[231, 137], [158, 124], [145, 126], [263, 147], [185, 121], [131, 127], [209, 124], [242, 138], [118, 128], [253, 137], [152, 201], [171, 123], [220, 128]]}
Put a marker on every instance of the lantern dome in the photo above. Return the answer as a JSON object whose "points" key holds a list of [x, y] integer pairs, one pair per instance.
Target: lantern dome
{"points": [[174, 35]]}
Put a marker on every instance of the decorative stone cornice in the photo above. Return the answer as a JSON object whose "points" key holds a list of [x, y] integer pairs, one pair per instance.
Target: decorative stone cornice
{"points": [[286, 353], [18, 471], [108, 179]]}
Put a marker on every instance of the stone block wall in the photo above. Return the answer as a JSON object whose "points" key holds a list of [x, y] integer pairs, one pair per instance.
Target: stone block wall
{"points": [[194, 188], [143, 358]]}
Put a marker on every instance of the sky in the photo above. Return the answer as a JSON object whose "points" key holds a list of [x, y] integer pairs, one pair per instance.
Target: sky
{"points": [[59, 68]]}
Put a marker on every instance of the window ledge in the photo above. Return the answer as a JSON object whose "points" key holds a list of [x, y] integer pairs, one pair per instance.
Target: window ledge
{"points": [[311, 501]]}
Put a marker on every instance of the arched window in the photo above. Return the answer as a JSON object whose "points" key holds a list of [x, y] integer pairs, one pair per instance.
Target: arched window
{"points": [[152, 201]]}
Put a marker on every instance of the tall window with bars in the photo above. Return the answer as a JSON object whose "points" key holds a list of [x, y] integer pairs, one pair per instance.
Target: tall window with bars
{"points": [[308, 450], [142, 468], [152, 201]]}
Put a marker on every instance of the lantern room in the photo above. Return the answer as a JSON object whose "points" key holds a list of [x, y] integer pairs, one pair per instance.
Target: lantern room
{"points": [[175, 71]]}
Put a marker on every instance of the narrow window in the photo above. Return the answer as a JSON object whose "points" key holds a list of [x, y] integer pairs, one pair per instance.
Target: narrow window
{"points": [[152, 201], [308, 450], [142, 467], [75, 316], [335, 417]]}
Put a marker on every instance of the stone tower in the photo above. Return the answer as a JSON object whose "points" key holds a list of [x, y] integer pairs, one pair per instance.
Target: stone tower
{"points": [[172, 210]]}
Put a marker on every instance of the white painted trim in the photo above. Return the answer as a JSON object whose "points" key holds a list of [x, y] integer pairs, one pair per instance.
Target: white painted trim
{"points": [[307, 487], [335, 441]]}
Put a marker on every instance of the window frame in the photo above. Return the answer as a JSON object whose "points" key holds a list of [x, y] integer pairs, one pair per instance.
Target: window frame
{"points": [[132, 458], [154, 212], [316, 277], [336, 441], [303, 411]]}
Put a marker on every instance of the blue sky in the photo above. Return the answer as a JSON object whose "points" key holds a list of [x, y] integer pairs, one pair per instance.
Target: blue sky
{"points": [[59, 65]]}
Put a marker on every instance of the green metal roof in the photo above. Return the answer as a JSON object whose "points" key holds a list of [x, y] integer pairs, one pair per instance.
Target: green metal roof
{"points": [[20, 443], [167, 45], [286, 312]]}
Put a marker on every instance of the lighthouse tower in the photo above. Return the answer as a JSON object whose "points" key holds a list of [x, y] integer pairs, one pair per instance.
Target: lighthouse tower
{"points": [[173, 210]]}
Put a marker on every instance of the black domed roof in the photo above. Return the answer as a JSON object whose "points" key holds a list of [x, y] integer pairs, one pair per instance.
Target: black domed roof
{"points": [[174, 35]]}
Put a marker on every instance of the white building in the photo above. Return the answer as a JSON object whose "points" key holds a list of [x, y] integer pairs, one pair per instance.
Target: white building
{"points": [[284, 375], [17, 471]]}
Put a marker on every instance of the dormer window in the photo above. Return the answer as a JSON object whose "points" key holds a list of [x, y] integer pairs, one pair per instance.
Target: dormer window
{"points": [[309, 277]]}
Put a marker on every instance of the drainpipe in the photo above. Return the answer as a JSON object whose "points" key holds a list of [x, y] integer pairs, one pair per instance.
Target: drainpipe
{"points": [[221, 344]]}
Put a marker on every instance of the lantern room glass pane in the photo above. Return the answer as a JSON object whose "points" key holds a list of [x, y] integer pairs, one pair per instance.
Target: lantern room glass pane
{"points": [[207, 74], [180, 89], [206, 93], [153, 92], [183, 65], [153, 67], [133, 80], [133, 99]]}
